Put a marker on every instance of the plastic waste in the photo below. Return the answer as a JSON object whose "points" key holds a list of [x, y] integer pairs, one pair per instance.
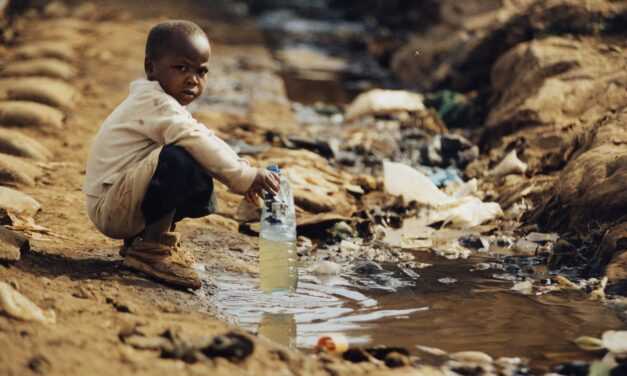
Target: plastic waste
{"points": [[509, 165], [277, 240], [461, 209], [325, 267], [334, 343], [384, 101], [20, 307]]}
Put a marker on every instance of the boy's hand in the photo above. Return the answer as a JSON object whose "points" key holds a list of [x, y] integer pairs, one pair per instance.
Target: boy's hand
{"points": [[265, 180]]}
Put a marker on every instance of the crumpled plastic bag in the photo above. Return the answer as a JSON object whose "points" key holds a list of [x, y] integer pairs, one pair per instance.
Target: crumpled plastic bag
{"points": [[378, 101], [461, 209], [20, 307]]}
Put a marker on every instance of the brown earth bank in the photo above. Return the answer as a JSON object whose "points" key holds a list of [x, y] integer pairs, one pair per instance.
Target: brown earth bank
{"points": [[551, 76]]}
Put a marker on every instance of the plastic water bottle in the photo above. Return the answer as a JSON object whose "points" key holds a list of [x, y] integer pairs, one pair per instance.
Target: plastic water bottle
{"points": [[277, 240]]}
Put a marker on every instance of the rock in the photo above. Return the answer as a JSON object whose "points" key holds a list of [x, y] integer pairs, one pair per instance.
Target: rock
{"points": [[460, 51], [29, 114], [45, 67], [305, 58], [46, 49], [367, 267], [471, 357], [232, 346], [593, 185], [15, 143], [48, 91], [380, 101], [509, 165], [16, 171], [40, 364], [325, 267], [12, 245], [546, 97], [268, 106], [20, 307], [17, 202]]}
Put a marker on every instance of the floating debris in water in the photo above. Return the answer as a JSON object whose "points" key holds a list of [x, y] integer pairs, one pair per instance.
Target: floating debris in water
{"points": [[447, 280]]}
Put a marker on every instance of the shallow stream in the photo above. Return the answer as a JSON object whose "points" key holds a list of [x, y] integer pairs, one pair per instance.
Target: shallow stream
{"points": [[448, 305]]}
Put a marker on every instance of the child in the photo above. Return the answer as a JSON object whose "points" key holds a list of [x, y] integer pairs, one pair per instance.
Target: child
{"points": [[151, 164]]}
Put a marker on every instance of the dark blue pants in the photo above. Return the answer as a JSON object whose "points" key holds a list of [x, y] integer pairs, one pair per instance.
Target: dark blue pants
{"points": [[179, 184]]}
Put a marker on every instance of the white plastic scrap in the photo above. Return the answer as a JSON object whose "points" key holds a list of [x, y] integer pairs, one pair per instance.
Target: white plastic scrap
{"points": [[615, 341], [325, 267], [20, 307], [384, 101], [466, 211], [509, 165]]}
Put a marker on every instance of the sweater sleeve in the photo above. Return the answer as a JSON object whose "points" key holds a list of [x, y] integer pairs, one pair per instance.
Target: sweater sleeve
{"points": [[173, 124]]}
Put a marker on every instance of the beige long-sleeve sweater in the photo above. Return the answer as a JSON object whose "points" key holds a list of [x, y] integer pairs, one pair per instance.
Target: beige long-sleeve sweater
{"points": [[148, 119]]}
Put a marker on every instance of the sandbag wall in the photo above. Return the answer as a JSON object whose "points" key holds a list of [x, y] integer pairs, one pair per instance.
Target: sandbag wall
{"points": [[37, 95]]}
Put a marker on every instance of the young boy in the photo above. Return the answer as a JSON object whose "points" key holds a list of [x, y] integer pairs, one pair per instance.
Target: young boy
{"points": [[151, 164]]}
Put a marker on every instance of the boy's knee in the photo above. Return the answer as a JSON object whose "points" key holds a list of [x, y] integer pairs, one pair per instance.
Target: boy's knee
{"points": [[176, 157]]}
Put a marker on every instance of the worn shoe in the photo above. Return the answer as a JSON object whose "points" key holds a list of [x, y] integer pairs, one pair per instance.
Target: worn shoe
{"points": [[164, 261]]}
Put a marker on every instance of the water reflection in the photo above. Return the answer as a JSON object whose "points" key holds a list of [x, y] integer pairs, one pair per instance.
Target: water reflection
{"points": [[279, 328], [392, 308]]}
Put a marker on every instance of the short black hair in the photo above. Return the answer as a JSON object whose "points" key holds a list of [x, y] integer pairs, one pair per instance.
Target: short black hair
{"points": [[160, 35]]}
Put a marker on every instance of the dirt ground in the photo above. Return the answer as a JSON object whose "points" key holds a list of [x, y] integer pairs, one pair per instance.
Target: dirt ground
{"points": [[77, 272]]}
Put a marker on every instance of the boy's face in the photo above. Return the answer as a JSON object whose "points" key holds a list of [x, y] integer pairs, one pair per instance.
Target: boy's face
{"points": [[182, 70]]}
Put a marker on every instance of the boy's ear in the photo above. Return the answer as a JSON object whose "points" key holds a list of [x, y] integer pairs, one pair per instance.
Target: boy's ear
{"points": [[148, 67]]}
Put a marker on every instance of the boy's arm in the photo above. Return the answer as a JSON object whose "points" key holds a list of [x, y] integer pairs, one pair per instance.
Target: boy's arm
{"points": [[215, 155]]}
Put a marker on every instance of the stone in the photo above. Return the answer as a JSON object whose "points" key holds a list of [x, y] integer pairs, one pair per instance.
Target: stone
{"points": [[12, 245], [16, 171], [459, 51], [20, 307], [16, 143], [29, 114], [268, 106], [17, 202], [46, 67]]}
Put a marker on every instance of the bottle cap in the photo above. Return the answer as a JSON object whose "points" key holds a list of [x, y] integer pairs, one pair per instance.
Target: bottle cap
{"points": [[274, 168]]}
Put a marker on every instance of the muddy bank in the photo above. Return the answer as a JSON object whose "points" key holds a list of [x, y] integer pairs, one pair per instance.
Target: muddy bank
{"points": [[554, 95]]}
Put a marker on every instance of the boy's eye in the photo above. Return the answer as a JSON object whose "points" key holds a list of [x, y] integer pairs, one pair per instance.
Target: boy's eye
{"points": [[181, 68]]}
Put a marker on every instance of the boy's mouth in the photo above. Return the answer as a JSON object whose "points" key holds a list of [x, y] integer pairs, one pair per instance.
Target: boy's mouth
{"points": [[190, 94]]}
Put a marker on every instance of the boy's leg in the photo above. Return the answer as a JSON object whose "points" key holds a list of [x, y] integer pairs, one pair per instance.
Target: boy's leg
{"points": [[178, 188]]}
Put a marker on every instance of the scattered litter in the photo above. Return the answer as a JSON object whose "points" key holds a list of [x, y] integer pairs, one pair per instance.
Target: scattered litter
{"points": [[379, 101], [431, 350], [525, 247], [471, 357], [367, 267], [524, 287], [334, 343], [541, 238], [325, 267], [465, 212], [348, 246], [509, 165], [447, 280], [20, 307]]}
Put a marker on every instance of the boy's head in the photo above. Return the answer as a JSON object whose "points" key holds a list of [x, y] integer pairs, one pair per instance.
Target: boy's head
{"points": [[177, 56]]}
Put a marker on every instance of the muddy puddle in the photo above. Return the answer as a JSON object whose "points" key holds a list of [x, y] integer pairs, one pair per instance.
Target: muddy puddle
{"points": [[449, 305]]}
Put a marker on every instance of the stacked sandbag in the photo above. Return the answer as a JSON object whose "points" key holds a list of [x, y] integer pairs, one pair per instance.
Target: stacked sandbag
{"points": [[36, 91]]}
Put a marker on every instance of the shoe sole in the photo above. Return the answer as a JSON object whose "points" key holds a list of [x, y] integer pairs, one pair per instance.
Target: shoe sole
{"points": [[174, 280]]}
